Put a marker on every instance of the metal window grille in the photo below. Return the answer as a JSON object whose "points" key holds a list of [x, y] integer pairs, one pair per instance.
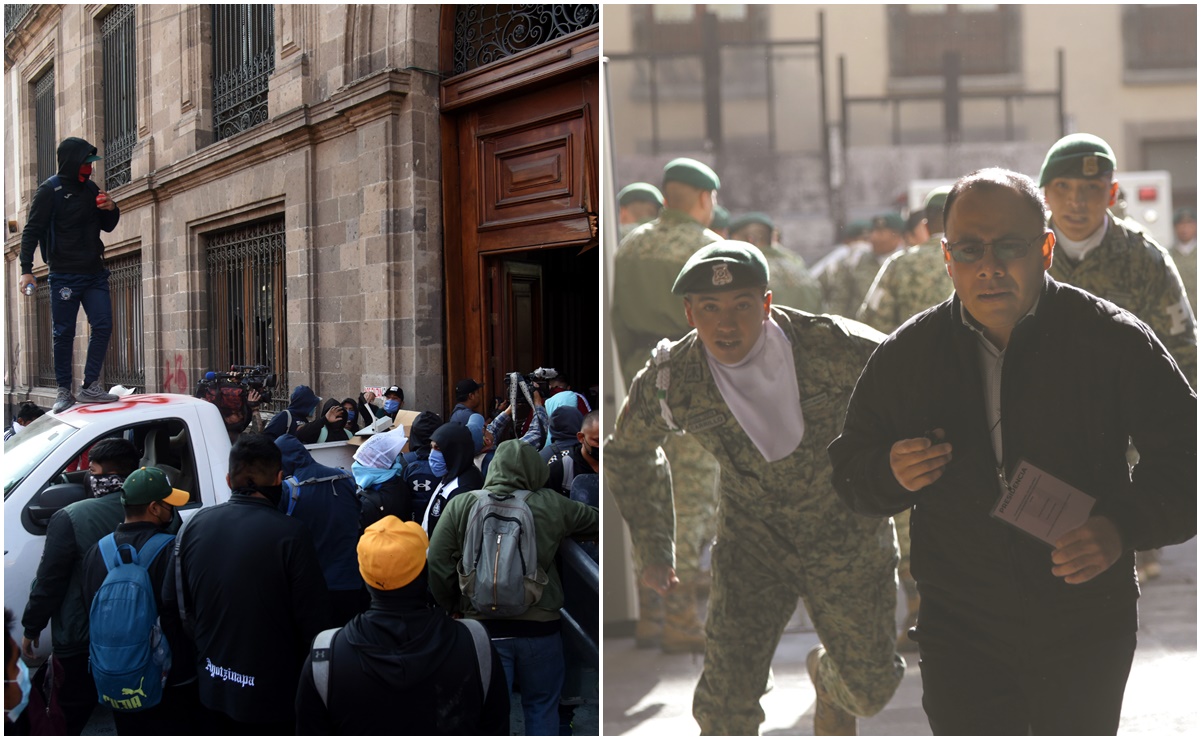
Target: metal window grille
{"points": [[247, 300], [486, 33], [13, 14], [124, 362], [243, 60], [43, 113], [120, 105], [987, 37], [42, 337], [1160, 37]]}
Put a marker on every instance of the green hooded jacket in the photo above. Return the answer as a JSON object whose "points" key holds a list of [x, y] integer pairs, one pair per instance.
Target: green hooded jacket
{"points": [[517, 466]]}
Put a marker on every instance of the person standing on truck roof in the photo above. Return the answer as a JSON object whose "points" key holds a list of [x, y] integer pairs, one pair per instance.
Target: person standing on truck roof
{"points": [[67, 214], [57, 593]]}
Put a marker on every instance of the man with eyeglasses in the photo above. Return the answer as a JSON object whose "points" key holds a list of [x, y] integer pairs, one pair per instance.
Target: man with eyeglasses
{"points": [[1018, 635], [1114, 258]]}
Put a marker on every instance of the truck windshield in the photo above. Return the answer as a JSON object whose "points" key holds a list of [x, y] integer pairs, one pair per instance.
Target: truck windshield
{"points": [[25, 451]]}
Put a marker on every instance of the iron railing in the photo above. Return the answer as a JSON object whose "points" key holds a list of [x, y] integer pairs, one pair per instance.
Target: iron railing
{"points": [[243, 61], [42, 337], [247, 300], [486, 33], [120, 102], [125, 362], [14, 13], [47, 143]]}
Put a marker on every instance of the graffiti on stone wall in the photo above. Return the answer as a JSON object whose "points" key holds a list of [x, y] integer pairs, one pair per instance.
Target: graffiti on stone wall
{"points": [[175, 381]]}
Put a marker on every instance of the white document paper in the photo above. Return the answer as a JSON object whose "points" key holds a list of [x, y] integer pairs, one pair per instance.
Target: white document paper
{"points": [[1042, 505]]}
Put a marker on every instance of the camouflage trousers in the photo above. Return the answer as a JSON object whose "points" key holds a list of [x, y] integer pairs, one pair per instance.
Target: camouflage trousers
{"points": [[842, 565], [694, 481]]}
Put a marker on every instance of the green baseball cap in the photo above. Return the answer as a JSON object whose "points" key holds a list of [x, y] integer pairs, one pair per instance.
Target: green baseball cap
{"points": [[721, 218], [691, 172], [721, 266], [92, 158], [1077, 155], [146, 485], [754, 217], [639, 192]]}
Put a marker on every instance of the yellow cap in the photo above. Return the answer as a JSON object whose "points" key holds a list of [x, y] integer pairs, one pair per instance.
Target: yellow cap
{"points": [[392, 553]]}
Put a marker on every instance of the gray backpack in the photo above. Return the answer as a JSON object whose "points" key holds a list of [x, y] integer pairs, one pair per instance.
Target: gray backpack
{"points": [[499, 571]]}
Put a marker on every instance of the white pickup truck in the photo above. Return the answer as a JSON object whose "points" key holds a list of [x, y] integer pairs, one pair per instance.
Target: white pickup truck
{"points": [[184, 436]]}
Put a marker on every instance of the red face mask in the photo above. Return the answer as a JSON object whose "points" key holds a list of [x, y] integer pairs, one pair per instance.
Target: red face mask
{"points": [[85, 171]]}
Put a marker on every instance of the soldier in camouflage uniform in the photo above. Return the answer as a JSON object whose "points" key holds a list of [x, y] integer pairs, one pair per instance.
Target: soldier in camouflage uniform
{"points": [[1184, 251], [792, 284], [637, 203], [911, 280], [845, 283], [720, 224], [766, 397], [643, 312], [1111, 257]]}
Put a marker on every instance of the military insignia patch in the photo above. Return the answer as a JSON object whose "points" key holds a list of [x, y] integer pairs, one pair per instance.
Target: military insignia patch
{"points": [[1090, 167], [722, 275], [707, 420], [814, 402]]}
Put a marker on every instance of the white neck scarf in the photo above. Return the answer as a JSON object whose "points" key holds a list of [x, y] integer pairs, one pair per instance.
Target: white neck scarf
{"points": [[18, 427], [763, 394], [1078, 250]]}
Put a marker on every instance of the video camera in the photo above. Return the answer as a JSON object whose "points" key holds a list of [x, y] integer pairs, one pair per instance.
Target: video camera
{"points": [[539, 380], [228, 390]]}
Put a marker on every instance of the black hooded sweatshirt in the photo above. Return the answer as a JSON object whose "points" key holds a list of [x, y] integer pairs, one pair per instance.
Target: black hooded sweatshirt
{"points": [[76, 248], [404, 666], [458, 448]]}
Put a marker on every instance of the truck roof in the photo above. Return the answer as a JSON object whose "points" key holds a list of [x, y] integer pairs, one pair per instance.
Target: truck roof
{"points": [[138, 407]]}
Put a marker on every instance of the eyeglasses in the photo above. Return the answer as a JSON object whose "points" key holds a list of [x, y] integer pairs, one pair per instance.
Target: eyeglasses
{"points": [[1009, 248]]}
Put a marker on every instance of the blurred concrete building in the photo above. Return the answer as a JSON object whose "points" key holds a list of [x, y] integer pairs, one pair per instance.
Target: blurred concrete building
{"points": [[819, 114], [353, 195]]}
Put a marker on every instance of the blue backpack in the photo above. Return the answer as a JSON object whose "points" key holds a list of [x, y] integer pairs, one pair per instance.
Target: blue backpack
{"points": [[128, 656]]}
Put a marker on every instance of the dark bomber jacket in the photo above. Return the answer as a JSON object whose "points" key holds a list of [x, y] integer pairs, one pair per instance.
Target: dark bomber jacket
{"points": [[1081, 377]]}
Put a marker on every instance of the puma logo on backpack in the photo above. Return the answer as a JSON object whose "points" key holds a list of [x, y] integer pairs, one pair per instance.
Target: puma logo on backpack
{"points": [[499, 571], [128, 655]]}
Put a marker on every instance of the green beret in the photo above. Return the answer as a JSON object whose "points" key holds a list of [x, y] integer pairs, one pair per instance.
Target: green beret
{"points": [[640, 192], [1184, 213], [691, 172], [721, 266], [754, 217], [721, 218], [889, 221], [937, 198], [1077, 155]]}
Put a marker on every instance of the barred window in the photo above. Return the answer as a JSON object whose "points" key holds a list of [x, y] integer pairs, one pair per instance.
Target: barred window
{"points": [[120, 105], [42, 337], [487, 33], [247, 300], [124, 362], [987, 37], [243, 60], [43, 112], [14, 13], [1160, 37]]}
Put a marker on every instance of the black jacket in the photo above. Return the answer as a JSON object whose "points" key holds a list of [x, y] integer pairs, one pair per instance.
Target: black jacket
{"points": [[256, 598], [1081, 377], [404, 667], [76, 248], [183, 656]]}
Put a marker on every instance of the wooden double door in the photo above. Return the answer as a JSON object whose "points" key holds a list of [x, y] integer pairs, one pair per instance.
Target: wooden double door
{"points": [[520, 203]]}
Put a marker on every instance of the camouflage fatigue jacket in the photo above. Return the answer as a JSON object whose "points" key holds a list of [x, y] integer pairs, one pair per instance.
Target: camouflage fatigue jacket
{"points": [[908, 283], [1128, 268], [648, 261], [829, 352], [845, 284], [791, 283], [1186, 265]]}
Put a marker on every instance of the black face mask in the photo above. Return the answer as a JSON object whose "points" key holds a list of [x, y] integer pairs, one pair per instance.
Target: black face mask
{"points": [[593, 452], [273, 493]]}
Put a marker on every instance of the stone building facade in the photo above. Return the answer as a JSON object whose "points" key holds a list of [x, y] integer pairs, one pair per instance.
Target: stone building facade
{"points": [[305, 228]]}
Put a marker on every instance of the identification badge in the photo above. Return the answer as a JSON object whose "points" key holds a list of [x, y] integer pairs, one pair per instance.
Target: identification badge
{"points": [[1042, 505]]}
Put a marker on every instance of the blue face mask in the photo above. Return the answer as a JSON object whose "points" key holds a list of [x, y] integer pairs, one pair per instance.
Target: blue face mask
{"points": [[26, 686], [437, 463], [349, 415], [391, 405]]}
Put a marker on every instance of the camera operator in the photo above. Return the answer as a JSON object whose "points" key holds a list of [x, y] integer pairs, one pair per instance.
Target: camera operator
{"points": [[519, 407]]}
